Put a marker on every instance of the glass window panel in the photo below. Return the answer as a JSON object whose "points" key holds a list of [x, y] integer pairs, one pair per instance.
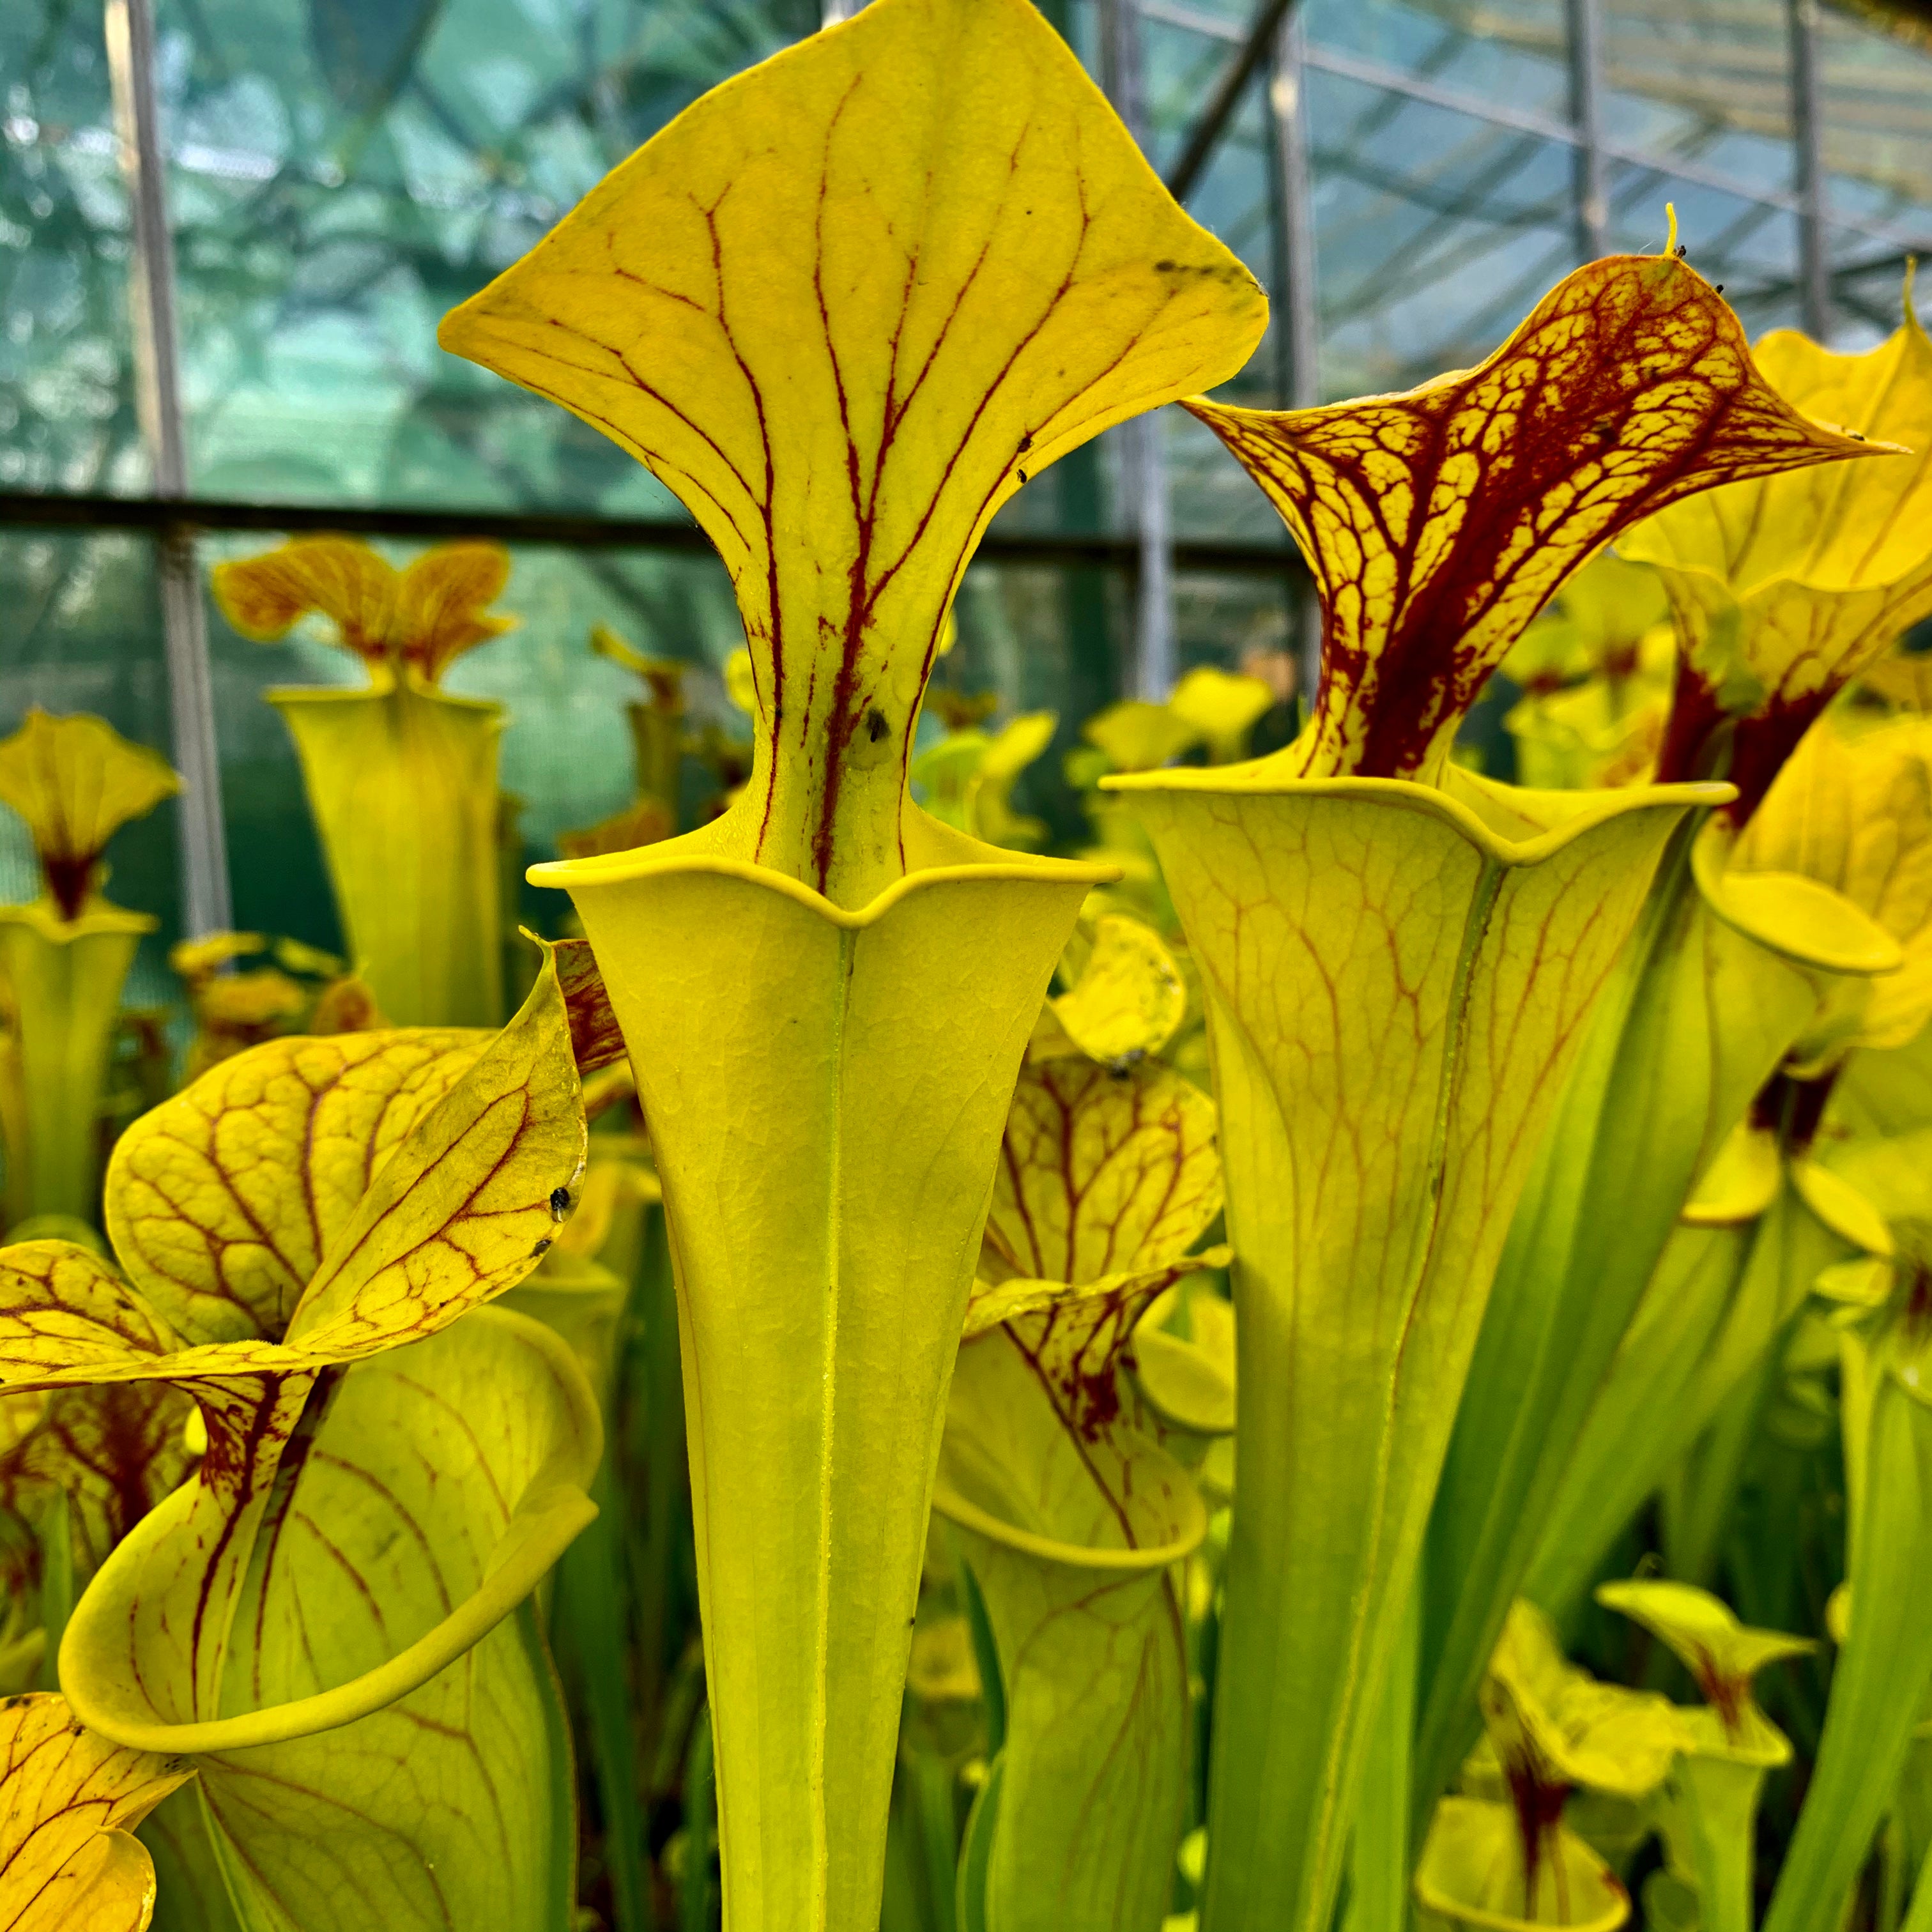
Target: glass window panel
{"points": [[1436, 232], [67, 417], [1514, 52], [343, 175], [1876, 95]]}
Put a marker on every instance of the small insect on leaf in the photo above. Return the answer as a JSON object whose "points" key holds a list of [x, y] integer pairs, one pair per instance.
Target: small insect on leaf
{"points": [[559, 1202], [876, 727]]}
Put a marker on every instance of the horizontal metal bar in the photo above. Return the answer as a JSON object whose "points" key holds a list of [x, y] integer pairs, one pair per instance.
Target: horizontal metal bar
{"points": [[20, 508]]}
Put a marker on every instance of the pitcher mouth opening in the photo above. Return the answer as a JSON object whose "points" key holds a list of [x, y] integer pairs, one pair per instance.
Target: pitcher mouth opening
{"points": [[1463, 808], [621, 869]]}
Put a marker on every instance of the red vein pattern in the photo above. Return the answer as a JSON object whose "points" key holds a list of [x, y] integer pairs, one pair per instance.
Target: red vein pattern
{"points": [[1102, 1170], [1438, 522], [844, 307]]}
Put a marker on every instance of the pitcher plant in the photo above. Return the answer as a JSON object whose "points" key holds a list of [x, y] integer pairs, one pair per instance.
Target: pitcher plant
{"points": [[64, 957], [333, 1592], [844, 307], [1401, 960], [401, 775]]}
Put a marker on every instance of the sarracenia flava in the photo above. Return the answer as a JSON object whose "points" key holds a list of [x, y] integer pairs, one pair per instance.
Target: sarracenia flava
{"points": [[1066, 1504], [401, 775], [844, 307], [1400, 960], [1746, 959], [334, 1592], [64, 957]]}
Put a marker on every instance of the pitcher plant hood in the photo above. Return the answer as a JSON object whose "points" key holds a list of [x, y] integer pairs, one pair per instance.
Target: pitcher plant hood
{"points": [[844, 307], [1438, 522], [419, 619], [1787, 587]]}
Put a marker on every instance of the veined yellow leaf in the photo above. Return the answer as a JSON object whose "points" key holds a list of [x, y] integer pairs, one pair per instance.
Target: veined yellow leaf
{"points": [[845, 306], [69, 1803], [1102, 1171], [1438, 522]]}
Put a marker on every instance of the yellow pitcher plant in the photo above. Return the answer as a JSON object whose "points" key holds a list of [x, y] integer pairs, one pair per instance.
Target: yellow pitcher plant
{"points": [[401, 775], [65, 957], [1509, 1861], [1065, 1503], [333, 1592], [1400, 960], [1712, 1798], [1732, 971], [844, 307]]}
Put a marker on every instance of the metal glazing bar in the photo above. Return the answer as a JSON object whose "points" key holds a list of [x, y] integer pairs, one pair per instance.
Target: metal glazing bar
{"points": [[1028, 550], [1297, 317], [1143, 468], [129, 30], [1198, 149], [1591, 170], [1372, 73], [1814, 279]]}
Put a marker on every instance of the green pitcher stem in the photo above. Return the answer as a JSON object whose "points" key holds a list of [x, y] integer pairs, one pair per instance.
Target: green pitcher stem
{"points": [[1878, 1687], [403, 786], [66, 977], [1093, 1799], [826, 1130], [1696, 1022], [1719, 1799]]}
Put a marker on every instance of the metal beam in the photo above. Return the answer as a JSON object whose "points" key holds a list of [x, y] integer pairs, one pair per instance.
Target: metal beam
{"points": [[1198, 148], [22, 509], [1814, 277], [1590, 167], [129, 30], [1297, 314], [1143, 463]]}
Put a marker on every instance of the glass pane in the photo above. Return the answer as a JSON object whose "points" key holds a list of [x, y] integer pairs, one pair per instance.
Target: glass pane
{"points": [[1876, 95], [67, 418], [1436, 232], [343, 175]]}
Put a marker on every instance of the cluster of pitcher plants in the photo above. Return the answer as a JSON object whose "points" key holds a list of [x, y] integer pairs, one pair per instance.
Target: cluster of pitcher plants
{"points": [[1354, 1355]]}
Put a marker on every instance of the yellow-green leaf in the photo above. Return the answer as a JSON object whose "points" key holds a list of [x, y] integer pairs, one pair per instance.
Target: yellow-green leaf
{"points": [[1438, 522], [844, 307], [1102, 1172], [1129, 998], [69, 1803]]}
